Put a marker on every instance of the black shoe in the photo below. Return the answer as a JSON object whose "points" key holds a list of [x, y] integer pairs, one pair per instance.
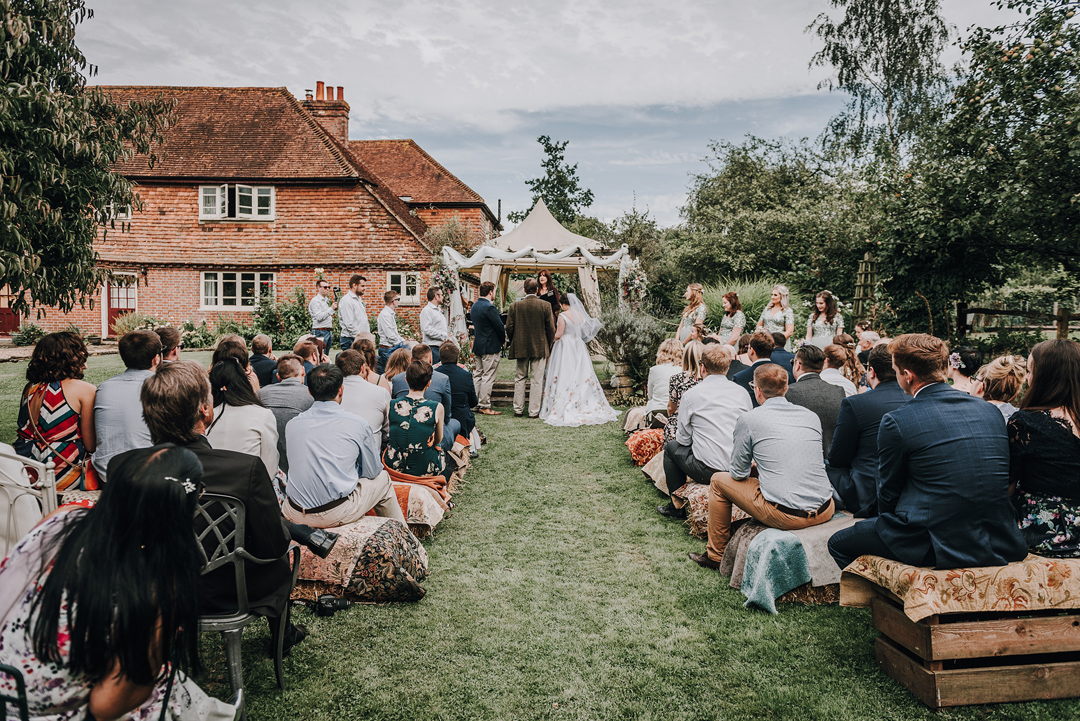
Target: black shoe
{"points": [[322, 542], [294, 634], [703, 560], [473, 453], [670, 511]]}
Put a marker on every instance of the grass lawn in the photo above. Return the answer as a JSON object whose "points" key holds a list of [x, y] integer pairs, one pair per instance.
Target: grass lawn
{"points": [[557, 592]]}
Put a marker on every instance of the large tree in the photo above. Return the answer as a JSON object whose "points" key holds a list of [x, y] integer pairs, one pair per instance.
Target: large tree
{"points": [[59, 139], [558, 186], [886, 56]]}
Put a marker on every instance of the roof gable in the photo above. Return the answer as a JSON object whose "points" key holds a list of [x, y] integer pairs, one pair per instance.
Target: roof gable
{"points": [[409, 171], [244, 133]]}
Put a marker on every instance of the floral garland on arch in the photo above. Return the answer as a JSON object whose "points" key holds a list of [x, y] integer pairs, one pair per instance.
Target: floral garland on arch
{"points": [[447, 279], [634, 286]]}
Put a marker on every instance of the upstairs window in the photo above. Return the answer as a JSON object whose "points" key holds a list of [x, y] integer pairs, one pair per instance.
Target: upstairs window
{"points": [[236, 202], [407, 286], [235, 290]]}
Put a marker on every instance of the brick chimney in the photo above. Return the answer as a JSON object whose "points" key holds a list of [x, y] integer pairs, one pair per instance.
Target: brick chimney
{"points": [[332, 114]]}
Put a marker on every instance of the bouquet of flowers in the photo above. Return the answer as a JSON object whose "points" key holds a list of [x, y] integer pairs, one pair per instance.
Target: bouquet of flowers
{"points": [[635, 284], [443, 277]]}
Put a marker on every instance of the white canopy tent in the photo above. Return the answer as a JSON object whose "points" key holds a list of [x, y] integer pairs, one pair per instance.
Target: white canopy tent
{"points": [[557, 250]]}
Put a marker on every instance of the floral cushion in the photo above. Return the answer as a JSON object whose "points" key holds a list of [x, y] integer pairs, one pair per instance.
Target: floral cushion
{"points": [[696, 497], [643, 445], [1034, 584], [375, 559], [422, 507]]}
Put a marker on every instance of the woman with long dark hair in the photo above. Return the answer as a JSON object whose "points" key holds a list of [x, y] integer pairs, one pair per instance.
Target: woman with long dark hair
{"points": [[1044, 450], [241, 422], [98, 607], [548, 292], [825, 322]]}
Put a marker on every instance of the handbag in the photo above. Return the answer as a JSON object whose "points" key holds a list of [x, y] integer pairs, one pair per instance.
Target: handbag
{"points": [[88, 477]]}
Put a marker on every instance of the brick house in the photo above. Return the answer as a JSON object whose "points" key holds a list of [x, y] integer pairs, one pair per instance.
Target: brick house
{"points": [[253, 191]]}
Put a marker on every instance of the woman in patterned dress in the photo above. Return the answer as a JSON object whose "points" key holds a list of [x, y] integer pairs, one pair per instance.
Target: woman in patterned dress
{"points": [[682, 382], [416, 428], [98, 606], [778, 316], [693, 314], [56, 414], [731, 327], [825, 322], [1044, 451]]}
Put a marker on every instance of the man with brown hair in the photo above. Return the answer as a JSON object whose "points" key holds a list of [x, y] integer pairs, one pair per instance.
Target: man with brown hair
{"points": [[531, 327], [262, 359], [389, 338], [462, 390], [707, 416], [791, 490], [943, 474], [760, 351], [488, 341], [352, 315], [171, 343], [368, 400]]}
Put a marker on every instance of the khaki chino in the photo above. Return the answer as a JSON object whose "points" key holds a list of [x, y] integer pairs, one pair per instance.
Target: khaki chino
{"points": [[533, 369], [484, 378], [377, 493]]}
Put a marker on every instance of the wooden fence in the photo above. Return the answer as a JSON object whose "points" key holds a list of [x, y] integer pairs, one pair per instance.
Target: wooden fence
{"points": [[1059, 319]]}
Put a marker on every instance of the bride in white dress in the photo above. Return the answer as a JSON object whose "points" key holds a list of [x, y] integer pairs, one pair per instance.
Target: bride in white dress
{"points": [[572, 394]]}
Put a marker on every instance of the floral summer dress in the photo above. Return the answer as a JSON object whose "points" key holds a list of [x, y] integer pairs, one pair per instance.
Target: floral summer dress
{"points": [[412, 447], [689, 320], [1044, 462], [776, 320], [731, 322], [58, 424], [823, 331], [680, 383]]}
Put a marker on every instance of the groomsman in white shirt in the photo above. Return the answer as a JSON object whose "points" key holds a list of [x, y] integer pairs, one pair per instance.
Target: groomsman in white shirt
{"points": [[389, 338], [433, 324], [352, 313], [322, 313]]}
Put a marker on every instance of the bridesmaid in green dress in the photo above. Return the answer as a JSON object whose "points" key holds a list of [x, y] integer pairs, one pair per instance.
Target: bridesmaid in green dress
{"points": [[416, 428]]}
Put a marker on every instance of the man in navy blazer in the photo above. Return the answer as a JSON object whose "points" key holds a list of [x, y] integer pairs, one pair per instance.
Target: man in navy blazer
{"points": [[782, 356], [761, 350], [853, 458], [462, 392], [943, 474], [489, 336], [438, 390]]}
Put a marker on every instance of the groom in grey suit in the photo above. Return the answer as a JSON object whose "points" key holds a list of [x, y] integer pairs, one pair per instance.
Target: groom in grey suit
{"points": [[531, 327]]}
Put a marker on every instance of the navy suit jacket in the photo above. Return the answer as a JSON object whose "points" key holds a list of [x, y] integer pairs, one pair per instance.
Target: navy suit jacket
{"points": [[943, 483], [438, 391], [744, 378], [853, 457], [784, 358], [489, 334], [462, 394], [265, 369]]}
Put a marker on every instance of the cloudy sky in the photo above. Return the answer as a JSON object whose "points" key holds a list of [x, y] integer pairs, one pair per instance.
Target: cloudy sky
{"points": [[638, 87]]}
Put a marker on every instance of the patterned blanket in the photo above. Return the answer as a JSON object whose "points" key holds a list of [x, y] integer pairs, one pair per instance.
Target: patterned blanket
{"points": [[643, 445], [696, 497], [1034, 584], [421, 505], [376, 559]]}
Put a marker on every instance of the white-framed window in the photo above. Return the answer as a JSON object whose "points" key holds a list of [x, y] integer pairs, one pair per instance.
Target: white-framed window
{"points": [[406, 284], [119, 212], [235, 289], [237, 202]]}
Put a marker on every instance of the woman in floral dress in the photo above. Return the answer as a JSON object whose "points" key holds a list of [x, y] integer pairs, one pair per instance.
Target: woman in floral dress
{"points": [[693, 314], [1044, 451], [778, 316], [682, 382], [825, 322], [416, 428], [731, 327]]}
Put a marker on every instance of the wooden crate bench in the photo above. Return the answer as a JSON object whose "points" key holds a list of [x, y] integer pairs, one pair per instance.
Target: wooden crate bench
{"points": [[974, 636]]}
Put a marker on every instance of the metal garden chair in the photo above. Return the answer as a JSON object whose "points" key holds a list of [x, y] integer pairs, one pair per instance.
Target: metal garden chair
{"points": [[23, 502], [19, 699]]}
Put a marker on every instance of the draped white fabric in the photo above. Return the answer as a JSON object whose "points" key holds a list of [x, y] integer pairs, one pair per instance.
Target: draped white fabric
{"points": [[456, 261]]}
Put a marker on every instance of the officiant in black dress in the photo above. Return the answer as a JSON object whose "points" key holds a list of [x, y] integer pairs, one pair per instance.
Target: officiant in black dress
{"points": [[548, 292]]}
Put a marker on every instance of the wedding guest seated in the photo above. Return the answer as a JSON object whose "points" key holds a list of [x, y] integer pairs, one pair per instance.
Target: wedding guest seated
{"points": [[171, 343], [761, 349], [782, 356], [241, 422], [999, 382], [867, 340], [396, 364], [707, 416], [963, 363], [367, 400], [366, 347], [744, 350], [737, 366], [853, 457], [117, 414], [335, 472], [309, 354], [233, 346], [837, 361], [286, 399], [262, 359], [438, 391], [943, 474], [54, 381], [810, 391], [77, 606], [682, 382], [791, 490], [417, 427], [1044, 451], [462, 391], [178, 408], [668, 360]]}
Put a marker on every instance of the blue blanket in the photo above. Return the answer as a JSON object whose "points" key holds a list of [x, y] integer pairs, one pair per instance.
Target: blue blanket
{"points": [[775, 564]]}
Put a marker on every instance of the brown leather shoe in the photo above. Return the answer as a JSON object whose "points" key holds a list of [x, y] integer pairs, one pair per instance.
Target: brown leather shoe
{"points": [[489, 412], [703, 560]]}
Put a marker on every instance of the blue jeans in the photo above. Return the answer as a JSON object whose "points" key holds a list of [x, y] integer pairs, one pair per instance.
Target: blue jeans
{"points": [[384, 355], [451, 429], [325, 334], [434, 354], [346, 342]]}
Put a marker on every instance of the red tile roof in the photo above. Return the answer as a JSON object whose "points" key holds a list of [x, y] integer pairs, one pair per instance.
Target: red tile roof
{"points": [[239, 133], [409, 171]]}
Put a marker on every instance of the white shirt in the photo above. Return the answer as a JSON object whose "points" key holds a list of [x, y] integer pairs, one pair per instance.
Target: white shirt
{"points": [[836, 378], [707, 416], [659, 385], [433, 325], [322, 315], [246, 429], [387, 326], [369, 401], [353, 315]]}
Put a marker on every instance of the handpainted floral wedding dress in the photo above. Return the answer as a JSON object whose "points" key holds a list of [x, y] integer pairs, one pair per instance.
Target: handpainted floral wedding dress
{"points": [[572, 393]]}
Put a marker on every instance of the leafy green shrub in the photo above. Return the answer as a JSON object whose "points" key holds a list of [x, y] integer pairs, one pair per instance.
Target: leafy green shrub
{"points": [[632, 337], [197, 335], [283, 321], [1002, 342], [72, 328], [28, 334], [227, 325], [754, 295], [136, 321]]}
